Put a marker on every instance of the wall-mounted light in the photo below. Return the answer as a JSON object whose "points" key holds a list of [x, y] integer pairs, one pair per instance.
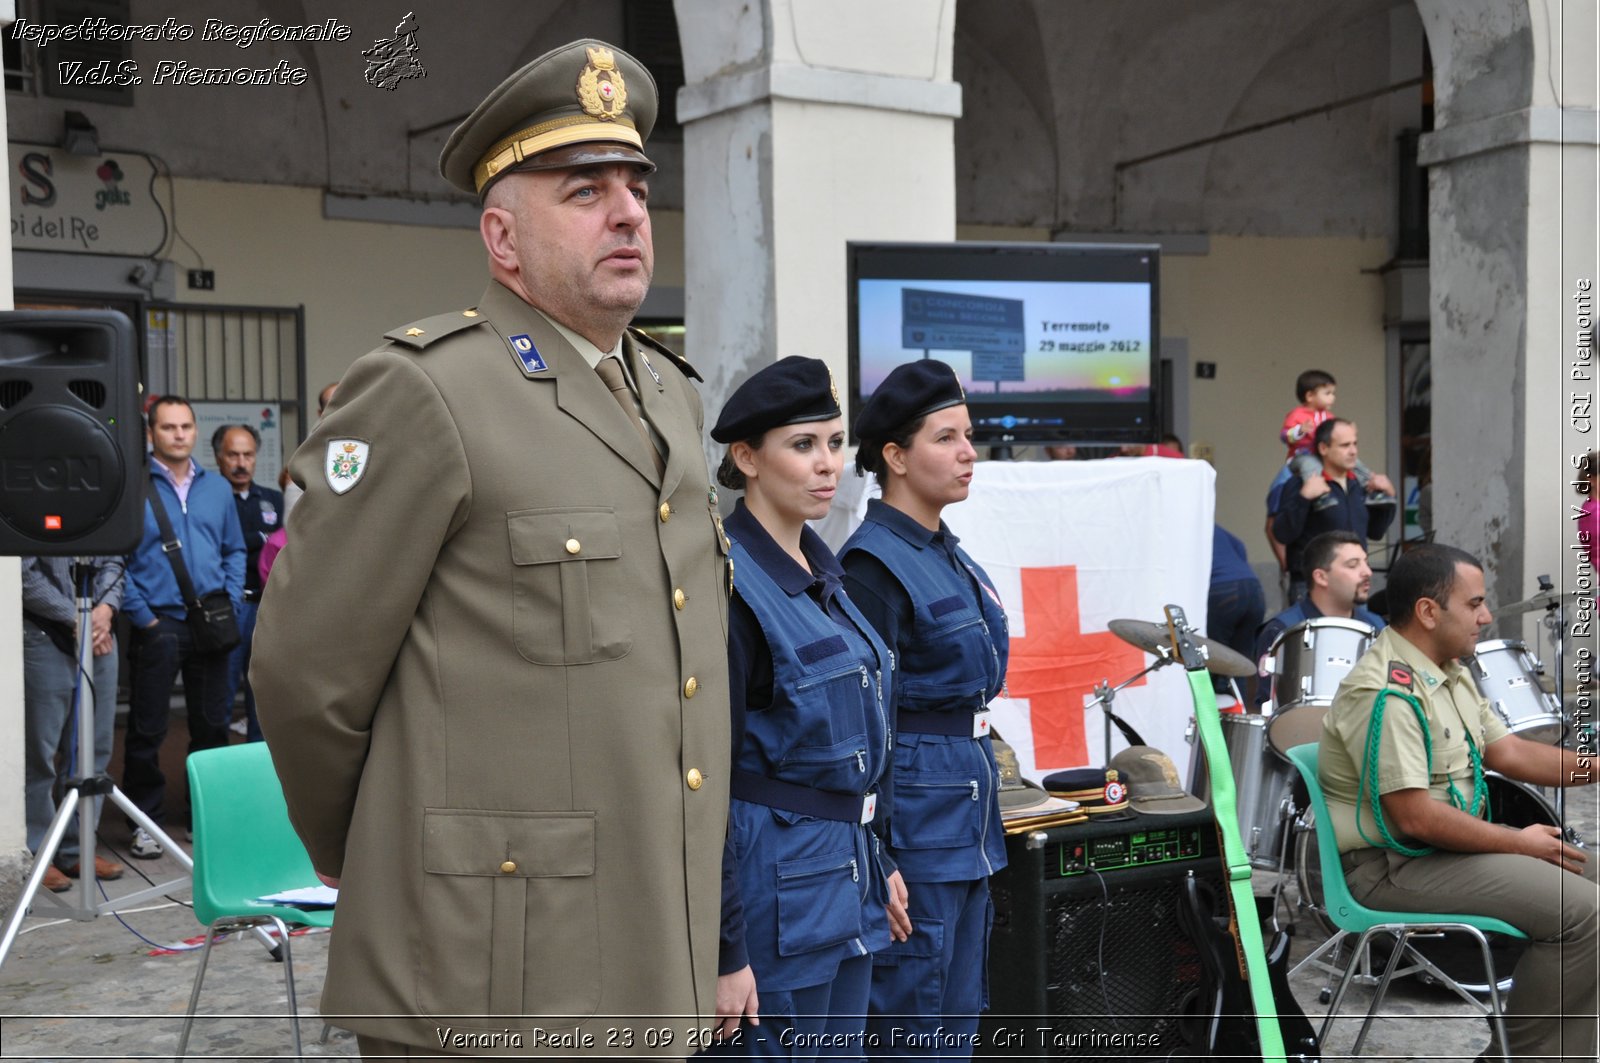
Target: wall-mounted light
{"points": [[78, 135]]}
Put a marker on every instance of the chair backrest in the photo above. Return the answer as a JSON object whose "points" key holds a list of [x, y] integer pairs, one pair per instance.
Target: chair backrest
{"points": [[244, 845], [1344, 910]]}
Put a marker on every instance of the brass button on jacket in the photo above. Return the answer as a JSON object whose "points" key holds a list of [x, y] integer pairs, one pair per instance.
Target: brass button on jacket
{"points": [[573, 546], [509, 867], [679, 599], [694, 779], [690, 686], [665, 512]]}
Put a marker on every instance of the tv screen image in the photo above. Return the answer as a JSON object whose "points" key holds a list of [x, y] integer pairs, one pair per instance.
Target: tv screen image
{"points": [[1052, 342]]}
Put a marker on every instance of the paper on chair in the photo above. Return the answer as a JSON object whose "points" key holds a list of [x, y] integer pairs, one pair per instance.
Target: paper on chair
{"points": [[305, 897]]}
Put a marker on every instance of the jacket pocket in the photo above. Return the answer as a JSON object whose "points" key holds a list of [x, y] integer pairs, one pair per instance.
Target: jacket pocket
{"points": [[569, 595], [936, 809], [819, 902], [509, 922], [842, 766]]}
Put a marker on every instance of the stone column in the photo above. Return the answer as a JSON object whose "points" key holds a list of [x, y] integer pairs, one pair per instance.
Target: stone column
{"points": [[807, 123], [1512, 226], [14, 856]]}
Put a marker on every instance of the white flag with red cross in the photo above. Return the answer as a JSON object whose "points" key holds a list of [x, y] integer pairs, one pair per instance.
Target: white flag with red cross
{"points": [[1070, 546]]}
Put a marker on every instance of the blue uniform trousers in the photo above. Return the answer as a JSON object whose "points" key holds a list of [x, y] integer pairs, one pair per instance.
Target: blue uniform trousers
{"points": [[239, 670], [817, 1022], [927, 991]]}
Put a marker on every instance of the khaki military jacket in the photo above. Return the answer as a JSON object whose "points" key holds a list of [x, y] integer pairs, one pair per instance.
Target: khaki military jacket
{"points": [[491, 667], [1455, 710]]}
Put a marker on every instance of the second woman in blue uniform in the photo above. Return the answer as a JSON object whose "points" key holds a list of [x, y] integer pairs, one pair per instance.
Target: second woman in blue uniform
{"points": [[938, 612], [803, 885]]}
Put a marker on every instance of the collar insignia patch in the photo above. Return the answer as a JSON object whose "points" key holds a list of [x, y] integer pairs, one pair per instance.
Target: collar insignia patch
{"points": [[528, 355]]}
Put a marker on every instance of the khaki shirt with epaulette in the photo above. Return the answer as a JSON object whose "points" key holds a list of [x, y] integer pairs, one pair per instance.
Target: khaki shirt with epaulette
{"points": [[1455, 711]]}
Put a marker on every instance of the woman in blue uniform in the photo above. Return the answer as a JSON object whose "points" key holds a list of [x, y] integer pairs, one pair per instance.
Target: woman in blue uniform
{"points": [[939, 614], [803, 885]]}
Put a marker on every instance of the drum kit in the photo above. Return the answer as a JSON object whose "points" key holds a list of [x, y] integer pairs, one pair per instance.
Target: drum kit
{"points": [[1306, 664]]}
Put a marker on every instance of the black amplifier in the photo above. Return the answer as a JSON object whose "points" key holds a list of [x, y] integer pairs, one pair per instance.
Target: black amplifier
{"points": [[1088, 958]]}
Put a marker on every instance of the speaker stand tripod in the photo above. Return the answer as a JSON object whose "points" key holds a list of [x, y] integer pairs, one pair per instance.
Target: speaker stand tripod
{"points": [[79, 801]]}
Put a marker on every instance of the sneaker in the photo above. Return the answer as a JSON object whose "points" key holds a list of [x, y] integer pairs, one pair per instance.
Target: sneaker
{"points": [[1327, 501], [143, 846], [1380, 498]]}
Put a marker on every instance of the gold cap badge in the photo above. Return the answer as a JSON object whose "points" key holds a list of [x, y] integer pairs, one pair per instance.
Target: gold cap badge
{"points": [[601, 91]]}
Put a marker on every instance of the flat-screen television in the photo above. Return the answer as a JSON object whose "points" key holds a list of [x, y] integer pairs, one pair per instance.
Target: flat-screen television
{"points": [[1054, 343]]}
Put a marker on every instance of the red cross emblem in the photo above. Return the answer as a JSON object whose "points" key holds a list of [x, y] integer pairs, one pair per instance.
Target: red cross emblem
{"points": [[1056, 664]]}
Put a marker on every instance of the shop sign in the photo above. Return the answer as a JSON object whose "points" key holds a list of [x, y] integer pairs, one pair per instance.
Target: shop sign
{"points": [[101, 205]]}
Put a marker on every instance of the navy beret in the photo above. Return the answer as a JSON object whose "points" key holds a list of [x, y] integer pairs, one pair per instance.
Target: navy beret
{"points": [[911, 390], [791, 390]]}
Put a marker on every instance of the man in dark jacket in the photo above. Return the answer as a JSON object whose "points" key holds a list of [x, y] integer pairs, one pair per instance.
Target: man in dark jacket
{"points": [[1296, 524], [260, 514]]}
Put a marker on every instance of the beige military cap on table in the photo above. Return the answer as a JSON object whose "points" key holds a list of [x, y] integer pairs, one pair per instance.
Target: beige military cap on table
{"points": [[581, 104]]}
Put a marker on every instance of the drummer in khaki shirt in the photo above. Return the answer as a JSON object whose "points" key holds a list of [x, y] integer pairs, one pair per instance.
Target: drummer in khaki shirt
{"points": [[1418, 851]]}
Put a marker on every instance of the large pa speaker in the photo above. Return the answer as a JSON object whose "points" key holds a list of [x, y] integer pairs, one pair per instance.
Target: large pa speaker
{"points": [[71, 443], [1088, 957]]}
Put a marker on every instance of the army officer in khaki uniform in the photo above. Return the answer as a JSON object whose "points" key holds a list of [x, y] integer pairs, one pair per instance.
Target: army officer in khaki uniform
{"points": [[1403, 757], [491, 666]]}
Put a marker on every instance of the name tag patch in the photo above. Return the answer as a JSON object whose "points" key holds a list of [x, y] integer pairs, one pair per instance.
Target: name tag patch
{"points": [[527, 354]]}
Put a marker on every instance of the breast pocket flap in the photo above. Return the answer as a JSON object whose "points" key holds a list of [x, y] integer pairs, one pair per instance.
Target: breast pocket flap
{"points": [[511, 844], [540, 537]]}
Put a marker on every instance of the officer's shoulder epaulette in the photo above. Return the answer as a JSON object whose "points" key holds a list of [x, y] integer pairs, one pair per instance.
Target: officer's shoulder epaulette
{"points": [[419, 334], [645, 340], [1399, 674]]}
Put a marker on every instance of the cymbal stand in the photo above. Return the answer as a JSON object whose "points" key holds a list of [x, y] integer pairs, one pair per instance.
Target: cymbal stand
{"points": [[1105, 693], [1555, 625]]}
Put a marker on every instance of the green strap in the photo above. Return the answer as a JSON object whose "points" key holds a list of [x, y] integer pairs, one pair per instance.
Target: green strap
{"points": [[1225, 806], [1369, 774]]}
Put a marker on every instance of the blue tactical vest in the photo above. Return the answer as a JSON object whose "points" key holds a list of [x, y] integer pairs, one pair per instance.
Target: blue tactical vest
{"points": [[944, 818], [813, 888]]}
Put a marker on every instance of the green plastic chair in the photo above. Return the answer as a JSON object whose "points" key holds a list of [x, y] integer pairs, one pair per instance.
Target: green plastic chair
{"points": [[244, 848], [1353, 917]]}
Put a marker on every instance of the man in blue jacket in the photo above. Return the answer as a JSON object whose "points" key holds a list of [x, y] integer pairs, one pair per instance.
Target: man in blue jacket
{"points": [[206, 524]]}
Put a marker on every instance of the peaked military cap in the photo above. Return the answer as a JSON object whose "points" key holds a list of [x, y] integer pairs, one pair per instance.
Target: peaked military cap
{"points": [[791, 390], [911, 390], [581, 104]]}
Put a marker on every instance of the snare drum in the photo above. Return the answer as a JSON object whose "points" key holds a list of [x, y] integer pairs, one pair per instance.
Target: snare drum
{"points": [[1261, 786], [1508, 676], [1310, 659]]}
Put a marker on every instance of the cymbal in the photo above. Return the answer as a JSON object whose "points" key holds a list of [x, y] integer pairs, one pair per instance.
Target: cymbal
{"points": [[1542, 600], [1153, 638]]}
